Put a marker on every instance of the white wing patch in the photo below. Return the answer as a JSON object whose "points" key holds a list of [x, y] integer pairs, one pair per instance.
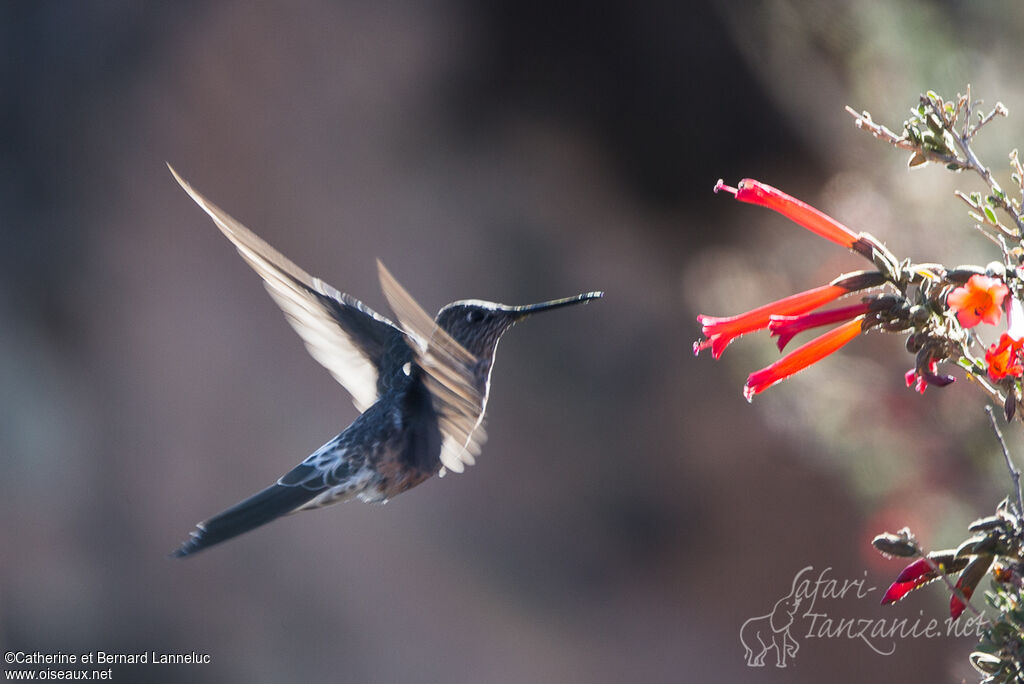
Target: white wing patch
{"points": [[300, 297]]}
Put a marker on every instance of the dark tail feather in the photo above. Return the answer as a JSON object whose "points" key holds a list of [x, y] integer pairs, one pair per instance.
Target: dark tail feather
{"points": [[259, 509]]}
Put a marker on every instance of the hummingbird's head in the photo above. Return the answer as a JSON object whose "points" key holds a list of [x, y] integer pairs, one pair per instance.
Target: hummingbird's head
{"points": [[478, 325]]}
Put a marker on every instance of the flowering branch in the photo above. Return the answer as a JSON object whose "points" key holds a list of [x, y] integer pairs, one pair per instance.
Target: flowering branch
{"points": [[940, 310], [936, 305], [931, 135], [998, 545], [996, 548]]}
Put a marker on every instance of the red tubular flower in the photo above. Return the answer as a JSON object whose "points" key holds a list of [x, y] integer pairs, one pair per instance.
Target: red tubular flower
{"points": [[956, 606], [719, 332], [968, 582], [802, 357], [915, 575], [1003, 359], [922, 571], [787, 327], [800, 212], [980, 300]]}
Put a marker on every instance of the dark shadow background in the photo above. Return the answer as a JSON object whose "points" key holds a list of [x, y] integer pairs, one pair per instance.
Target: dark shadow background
{"points": [[630, 510]]}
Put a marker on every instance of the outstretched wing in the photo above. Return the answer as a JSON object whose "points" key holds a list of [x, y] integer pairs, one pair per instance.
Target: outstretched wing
{"points": [[449, 376], [340, 332]]}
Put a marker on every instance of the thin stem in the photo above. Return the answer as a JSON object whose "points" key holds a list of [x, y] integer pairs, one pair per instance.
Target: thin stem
{"points": [[865, 122], [970, 159], [963, 157], [1014, 473]]}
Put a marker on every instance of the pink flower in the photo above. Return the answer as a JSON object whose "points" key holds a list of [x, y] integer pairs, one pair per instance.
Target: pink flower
{"points": [[787, 327], [928, 376], [980, 300], [1015, 320]]}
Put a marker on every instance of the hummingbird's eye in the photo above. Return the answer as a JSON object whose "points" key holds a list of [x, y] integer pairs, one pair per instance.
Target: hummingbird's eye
{"points": [[474, 316]]}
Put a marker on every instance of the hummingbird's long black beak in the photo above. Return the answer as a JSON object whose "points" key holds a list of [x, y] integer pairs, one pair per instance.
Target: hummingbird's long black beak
{"points": [[522, 312]]}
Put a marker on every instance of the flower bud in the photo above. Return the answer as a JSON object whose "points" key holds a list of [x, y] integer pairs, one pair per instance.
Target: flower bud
{"points": [[919, 315], [901, 544], [996, 269]]}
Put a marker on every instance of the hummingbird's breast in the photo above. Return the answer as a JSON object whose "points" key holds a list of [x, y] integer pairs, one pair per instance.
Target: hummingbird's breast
{"points": [[405, 448]]}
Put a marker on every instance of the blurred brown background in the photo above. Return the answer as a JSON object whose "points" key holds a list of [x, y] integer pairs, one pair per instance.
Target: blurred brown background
{"points": [[630, 510]]}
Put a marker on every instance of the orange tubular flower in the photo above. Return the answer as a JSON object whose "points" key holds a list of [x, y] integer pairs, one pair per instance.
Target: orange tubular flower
{"points": [[804, 356], [980, 300], [800, 212]]}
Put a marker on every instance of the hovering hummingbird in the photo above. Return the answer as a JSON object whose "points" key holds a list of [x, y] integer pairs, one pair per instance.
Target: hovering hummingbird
{"points": [[420, 384]]}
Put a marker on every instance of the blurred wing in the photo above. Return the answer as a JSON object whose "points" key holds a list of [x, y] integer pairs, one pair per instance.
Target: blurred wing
{"points": [[341, 333], [449, 376]]}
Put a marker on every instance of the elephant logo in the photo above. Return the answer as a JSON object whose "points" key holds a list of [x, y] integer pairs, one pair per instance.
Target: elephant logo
{"points": [[765, 633]]}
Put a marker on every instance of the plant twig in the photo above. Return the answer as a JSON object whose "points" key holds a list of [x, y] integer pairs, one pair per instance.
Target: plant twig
{"points": [[884, 134], [960, 155], [1014, 473]]}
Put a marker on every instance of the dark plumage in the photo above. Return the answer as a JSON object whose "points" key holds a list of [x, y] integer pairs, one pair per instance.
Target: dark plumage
{"points": [[420, 383]]}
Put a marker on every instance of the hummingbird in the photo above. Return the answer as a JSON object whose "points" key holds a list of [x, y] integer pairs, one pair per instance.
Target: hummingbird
{"points": [[420, 383]]}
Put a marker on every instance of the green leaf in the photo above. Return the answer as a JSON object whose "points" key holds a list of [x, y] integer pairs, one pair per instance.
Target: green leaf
{"points": [[990, 215]]}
